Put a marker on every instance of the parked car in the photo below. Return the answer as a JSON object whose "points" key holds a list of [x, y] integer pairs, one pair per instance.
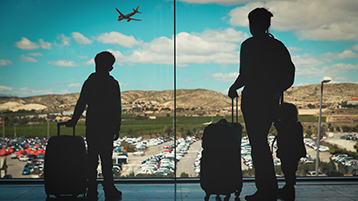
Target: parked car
{"points": [[313, 173], [335, 173], [138, 153], [23, 158], [26, 171], [355, 172]]}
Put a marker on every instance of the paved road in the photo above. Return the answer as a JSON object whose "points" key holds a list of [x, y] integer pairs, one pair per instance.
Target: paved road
{"points": [[15, 168], [342, 143], [186, 164]]}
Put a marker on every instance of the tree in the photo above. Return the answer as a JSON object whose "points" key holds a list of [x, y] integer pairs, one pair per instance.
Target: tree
{"points": [[168, 130], [338, 129], [309, 131]]}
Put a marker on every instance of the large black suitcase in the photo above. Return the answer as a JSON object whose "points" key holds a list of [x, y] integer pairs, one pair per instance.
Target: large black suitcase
{"points": [[65, 165], [220, 165]]}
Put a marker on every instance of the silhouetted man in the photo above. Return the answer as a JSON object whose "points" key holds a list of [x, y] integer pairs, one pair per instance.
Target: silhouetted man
{"points": [[101, 93], [266, 70]]}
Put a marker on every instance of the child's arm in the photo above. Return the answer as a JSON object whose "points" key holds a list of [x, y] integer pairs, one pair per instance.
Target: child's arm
{"points": [[80, 106]]}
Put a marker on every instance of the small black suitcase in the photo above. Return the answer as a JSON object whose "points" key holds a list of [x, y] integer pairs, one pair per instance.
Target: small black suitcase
{"points": [[220, 164], [65, 165]]}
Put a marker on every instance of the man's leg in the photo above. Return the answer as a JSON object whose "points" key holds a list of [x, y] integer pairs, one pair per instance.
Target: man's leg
{"points": [[258, 120]]}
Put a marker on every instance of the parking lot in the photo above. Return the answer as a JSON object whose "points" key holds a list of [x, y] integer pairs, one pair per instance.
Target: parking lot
{"points": [[188, 156]]}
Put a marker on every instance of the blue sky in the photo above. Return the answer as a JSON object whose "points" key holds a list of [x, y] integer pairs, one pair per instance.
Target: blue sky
{"points": [[47, 47]]}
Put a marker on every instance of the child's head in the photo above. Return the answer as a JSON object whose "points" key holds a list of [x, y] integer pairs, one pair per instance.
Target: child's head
{"points": [[104, 61], [289, 112]]}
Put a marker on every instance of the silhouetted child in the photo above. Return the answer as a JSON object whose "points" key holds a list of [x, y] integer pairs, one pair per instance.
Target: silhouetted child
{"points": [[290, 147], [101, 94]]}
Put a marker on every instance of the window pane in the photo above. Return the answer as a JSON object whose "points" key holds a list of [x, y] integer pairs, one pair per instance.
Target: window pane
{"points": [[48, 48]]}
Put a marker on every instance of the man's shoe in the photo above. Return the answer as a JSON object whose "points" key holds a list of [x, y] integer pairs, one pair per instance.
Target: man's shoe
{"points": [[287, 193], [112, 193], [259, 196]]}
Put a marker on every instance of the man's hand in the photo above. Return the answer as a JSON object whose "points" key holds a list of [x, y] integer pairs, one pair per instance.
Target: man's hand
{"points": [[232, 93]]}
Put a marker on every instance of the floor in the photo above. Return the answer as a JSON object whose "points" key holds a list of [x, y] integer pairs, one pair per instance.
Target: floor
{"points": [[332, 190]]}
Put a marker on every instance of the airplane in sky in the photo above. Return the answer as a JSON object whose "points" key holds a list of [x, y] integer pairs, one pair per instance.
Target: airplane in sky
{"points": [[128, 16]]}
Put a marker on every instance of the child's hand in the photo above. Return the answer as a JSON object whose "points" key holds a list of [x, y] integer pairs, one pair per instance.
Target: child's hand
{"points": [[116, 136], [70, 123]]}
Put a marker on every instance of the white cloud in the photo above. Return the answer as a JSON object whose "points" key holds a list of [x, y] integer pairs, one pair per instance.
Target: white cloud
{"points": [[122, 85], [62, 63], [24, 91], [64, 39], [82, 57], [217, 46], [5, 88], [296, 49], [355, 47], [225, 77], [44, 45], [118, 38], [5, 62], [227, 35], [26, 44], [190, 44], [316, 20], [36, 54], [344, 55], [28, 59], [74, 85], [80, 38], [90, 62]]}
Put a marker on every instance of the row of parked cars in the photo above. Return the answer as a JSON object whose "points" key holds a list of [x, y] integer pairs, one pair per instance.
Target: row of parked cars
{"points": [[141, 144], [28, 150], [163, 163], [353, 137], [313, 144], [344, 159]]}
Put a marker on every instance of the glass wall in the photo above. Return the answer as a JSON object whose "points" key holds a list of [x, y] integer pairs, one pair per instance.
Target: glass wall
{"points": [[47, 52]]}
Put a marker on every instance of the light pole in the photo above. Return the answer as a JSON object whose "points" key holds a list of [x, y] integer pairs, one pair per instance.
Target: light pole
{"points": [[323, 80]]}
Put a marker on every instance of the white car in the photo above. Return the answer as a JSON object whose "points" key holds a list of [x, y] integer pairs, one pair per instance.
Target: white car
{"points": [[138, 153], [323, 148], [313, 173], [23, 158]]}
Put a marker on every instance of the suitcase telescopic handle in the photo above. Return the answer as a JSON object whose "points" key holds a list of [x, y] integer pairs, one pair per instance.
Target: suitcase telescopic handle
{"points": [[237, 109], [62, 124]]}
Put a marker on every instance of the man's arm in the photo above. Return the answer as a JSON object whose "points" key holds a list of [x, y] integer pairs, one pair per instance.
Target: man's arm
{"points": [[240, 80]]}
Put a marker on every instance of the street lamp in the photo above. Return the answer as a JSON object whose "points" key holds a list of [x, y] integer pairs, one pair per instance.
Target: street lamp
{"points": [[323, 80]]}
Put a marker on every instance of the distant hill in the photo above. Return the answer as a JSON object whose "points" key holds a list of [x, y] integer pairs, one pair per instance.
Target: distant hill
{"points": [[205, 99]]}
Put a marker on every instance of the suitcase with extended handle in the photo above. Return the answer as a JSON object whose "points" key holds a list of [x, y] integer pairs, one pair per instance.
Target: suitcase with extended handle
{"points": [[220, 165], [65, 165]]}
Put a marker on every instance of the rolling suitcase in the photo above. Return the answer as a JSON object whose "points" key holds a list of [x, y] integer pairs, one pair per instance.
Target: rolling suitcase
{"points": [[220, 165], [65, 165]]}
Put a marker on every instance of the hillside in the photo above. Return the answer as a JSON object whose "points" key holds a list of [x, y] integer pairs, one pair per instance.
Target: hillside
{"points": [[205, 99]]}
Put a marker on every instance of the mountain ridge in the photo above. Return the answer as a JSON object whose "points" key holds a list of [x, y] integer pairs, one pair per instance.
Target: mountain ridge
{"points": [[205, 99]]}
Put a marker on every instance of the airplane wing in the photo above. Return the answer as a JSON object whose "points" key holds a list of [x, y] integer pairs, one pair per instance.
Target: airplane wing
{"points": [[119, 12], [135, 19]]}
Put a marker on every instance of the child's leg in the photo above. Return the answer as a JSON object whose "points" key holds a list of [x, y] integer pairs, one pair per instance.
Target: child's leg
{"points": [[289, 168]]}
